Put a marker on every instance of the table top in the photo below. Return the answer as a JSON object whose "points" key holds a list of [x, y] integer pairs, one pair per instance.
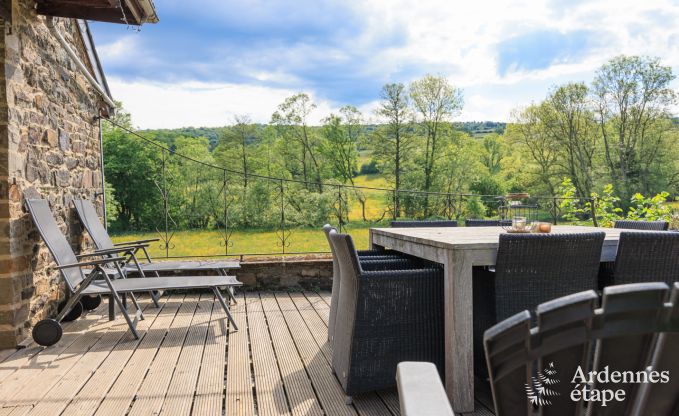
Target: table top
{"points": [[479, 237]]}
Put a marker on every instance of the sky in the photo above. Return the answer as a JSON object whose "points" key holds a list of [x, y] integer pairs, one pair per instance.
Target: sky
{"points": [[207, 61]]}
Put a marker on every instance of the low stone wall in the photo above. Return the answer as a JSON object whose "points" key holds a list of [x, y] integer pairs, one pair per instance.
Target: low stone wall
{"points": [[294, 274], [313, 274]]}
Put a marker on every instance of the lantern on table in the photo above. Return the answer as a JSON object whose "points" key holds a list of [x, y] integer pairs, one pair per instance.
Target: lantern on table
{"points": [[516, 213]]}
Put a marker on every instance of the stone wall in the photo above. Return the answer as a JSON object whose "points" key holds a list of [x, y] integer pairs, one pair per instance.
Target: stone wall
{"points": [[296, 274], [49, 148]]}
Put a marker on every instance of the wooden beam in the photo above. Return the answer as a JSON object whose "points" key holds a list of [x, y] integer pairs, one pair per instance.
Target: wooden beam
{"points": [[98, 10]]}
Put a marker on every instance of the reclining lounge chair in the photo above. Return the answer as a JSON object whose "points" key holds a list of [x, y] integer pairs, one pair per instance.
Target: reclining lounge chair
{"points": [[102, 241], [98, 282]]}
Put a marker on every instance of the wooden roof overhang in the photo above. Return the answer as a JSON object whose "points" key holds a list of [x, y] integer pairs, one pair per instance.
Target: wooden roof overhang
{"points": [[132, 12]]}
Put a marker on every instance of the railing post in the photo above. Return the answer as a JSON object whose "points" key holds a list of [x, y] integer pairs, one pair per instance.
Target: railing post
{"points": [[592, 204], [226, 217], [339, 208], [555, 211], [282, 215], [394, 198], [166, 207]]}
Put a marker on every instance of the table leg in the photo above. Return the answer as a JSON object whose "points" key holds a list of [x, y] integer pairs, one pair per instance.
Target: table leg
{"points": [[459, 330]]}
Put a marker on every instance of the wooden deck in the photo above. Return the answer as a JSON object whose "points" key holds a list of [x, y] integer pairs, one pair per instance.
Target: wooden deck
{"points": [[187, 363]]}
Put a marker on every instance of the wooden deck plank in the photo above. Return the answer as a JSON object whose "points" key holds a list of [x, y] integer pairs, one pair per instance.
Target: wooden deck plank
{"points": [[209, 398], [278, 364], [298, 388], [390, 399], [123, 388], [330, 393], [240, 399], [57, 398], [93, 392], [311, 311], [25, 368], [179, 398], [151, 394], [271, 400]]}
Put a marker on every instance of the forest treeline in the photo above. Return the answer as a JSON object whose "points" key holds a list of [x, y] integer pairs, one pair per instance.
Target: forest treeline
{"points": [[616, 129]]}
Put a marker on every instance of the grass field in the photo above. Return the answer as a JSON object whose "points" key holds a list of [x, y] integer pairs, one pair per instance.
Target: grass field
{"points": [[210, 243]]}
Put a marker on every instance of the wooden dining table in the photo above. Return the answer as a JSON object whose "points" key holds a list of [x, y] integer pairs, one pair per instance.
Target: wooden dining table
{"points": [[459, 249]]}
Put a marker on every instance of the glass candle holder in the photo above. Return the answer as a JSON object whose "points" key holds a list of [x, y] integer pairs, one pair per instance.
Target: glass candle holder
{"points": [[519, 223]]}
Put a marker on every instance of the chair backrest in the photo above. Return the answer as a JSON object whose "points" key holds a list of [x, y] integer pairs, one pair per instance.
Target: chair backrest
{"points": [[347, 304], [534, 268], [544, 365], [336, 282], [90, 220], [643, 225], [647, 256], [481, 223], [423, 224], [56, 241]]}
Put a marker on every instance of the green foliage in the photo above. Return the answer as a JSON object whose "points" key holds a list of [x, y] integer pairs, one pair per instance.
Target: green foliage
{"points": [[607, 209], [649, 209]]}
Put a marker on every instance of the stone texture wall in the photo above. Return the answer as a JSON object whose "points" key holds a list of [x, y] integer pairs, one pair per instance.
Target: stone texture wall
{"points": [[296, 274], [49, 148]]}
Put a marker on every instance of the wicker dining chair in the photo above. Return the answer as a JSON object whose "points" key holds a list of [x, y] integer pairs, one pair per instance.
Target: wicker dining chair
{"points": [[383, 317], [642, 225], [481, 223], [635, 331], [643, 256], [424, 224], [531, 269], [372, 260]]}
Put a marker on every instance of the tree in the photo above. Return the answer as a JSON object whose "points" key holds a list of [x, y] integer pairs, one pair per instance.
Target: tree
{"points": [[535, 145], [633, 99], [393, 140], [130, 166], [493, 153], [291, 119], [436, 102], [569, 122], [237, 141], [342, 133]]}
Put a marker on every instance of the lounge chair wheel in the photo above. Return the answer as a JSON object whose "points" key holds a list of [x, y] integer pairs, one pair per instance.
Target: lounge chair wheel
{"points": [[47, 332], [74, 313], [91, 303]]}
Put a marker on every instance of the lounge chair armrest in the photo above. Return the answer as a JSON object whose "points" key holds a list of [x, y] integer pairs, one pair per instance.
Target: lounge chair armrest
{"points": [[420, 390], [137, 242], [95, 262], [115, 250], [103, 252]]}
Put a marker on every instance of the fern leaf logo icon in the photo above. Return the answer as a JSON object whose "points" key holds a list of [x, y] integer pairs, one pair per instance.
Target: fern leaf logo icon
{"points": [[538, 390]]}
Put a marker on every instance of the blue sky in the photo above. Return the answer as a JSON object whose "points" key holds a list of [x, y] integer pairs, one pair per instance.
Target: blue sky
{"points": [[208, 60]]}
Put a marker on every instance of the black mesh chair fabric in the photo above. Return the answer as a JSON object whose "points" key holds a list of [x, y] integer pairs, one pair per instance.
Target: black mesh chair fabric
{"points": [[423, 224], [481, 223], [531, 269], [643, 256], [642, 225]]}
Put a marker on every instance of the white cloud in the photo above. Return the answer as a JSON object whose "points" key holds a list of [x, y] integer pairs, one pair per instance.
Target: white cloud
{"points": [[456, 39], [173, 105]]}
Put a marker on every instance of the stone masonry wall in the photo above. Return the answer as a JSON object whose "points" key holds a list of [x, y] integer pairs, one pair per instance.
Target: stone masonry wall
{"points": [[49, 148]]}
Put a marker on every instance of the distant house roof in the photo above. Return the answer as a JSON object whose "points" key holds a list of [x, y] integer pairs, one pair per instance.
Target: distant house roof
{"points": [[132, 12]]}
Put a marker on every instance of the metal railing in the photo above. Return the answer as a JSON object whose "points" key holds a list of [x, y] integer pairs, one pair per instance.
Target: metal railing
{"points": [[191, 194]]}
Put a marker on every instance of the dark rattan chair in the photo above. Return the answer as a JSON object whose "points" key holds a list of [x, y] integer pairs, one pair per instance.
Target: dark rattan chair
{"points": [[383, 318], [531, 269], [481, 223], [371, 260], [643, 256], [635, 331], [642, 225], [424, 224]]}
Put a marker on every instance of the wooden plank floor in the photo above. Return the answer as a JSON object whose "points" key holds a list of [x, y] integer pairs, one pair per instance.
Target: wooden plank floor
{"points": [[189, 361]]}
